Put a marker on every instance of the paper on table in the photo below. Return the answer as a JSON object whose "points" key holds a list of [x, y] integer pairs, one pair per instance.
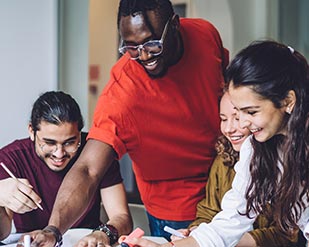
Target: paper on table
{"points": [[12, 238], [69, 238], [73, 235], [158, 240]]}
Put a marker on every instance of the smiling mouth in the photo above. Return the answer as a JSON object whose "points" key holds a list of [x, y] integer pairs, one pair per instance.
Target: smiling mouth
{"points": [[58, 161], [236, 138], [255, 130], [150, 65]]}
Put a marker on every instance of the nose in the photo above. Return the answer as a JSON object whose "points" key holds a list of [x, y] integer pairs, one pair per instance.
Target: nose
{"points": [[143, 55], [230, 126], [59, 152]]}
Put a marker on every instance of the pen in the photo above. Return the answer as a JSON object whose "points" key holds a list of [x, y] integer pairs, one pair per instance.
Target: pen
{"points": [[13, 176], [173, 232]]}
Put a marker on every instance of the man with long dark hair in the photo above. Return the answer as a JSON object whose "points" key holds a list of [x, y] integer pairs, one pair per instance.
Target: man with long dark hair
{"points": [[40, 163]]}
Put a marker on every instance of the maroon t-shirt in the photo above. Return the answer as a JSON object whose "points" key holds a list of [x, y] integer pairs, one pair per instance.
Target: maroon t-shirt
{"points": [[20, 157]]}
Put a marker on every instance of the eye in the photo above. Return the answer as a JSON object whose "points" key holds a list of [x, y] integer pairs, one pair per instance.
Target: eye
{"points": [[49, 143], [251, 112], [66, 144]]}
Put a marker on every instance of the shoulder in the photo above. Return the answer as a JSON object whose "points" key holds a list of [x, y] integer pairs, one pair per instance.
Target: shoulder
{"points": [[17, 145], [218, 162], [218, 166], [199, 25], [124, 67], [19, 155]]}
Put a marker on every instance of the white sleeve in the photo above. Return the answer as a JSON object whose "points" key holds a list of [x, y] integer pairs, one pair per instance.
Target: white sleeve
{"points": [[303, 223], [228, 226]]}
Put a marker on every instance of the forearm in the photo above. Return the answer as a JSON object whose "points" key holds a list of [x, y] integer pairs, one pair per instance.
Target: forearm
{"points": [[72, 199], [5, 224], [80, 184], [123, 224], [116, 207]]}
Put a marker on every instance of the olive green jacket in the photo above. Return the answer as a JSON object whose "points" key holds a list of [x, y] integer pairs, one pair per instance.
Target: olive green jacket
{"points": [[220, 181]]}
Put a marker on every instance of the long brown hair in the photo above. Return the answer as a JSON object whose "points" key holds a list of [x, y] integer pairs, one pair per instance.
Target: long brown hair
{"points": [[271, 70]]}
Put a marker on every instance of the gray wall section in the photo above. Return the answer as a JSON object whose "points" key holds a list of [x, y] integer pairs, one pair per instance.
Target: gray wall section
{"points": [[28, 61]]}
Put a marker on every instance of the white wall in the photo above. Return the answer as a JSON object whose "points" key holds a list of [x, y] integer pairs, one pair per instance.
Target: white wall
{"points": [[28, 61], [239, 21], [73, 51], [103, 44]]}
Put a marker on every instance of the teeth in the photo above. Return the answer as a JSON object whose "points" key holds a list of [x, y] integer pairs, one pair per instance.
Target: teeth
{"points": [[255, 130], [236, 138], [57, 160], [152, 63]]}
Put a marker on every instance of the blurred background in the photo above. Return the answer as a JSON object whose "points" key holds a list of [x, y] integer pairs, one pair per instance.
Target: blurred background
{"points": [[71, 45]]}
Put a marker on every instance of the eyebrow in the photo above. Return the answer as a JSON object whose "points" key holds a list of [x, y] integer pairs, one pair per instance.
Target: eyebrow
{"points": [[248, 107], [73, 138]]}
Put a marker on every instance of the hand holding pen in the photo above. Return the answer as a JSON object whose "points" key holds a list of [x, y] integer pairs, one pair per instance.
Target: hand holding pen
{"points": [[17, 194], [177, 234]]}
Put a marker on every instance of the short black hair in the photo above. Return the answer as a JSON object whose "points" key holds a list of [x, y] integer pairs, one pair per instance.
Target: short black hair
{"points": [[55, 107], [162, 8]]}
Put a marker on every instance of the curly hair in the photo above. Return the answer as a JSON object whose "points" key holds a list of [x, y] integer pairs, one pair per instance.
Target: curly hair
{"points": [[225, 149]]}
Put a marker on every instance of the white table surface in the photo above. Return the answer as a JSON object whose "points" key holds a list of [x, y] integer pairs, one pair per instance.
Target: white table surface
{"points": [[73, 235]]}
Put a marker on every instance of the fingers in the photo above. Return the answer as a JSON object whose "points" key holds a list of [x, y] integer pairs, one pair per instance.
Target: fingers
{"points": [[122, 238], [94, 239], [184, 232], [19, 195], [25, 187], [91, 244], [41, 238]]}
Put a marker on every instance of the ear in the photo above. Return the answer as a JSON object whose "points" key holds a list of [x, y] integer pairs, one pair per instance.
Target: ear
{"points": [[290, 101], [31, 132]]}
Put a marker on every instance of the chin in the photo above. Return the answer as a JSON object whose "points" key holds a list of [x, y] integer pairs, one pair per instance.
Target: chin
{"points": [[57, 168], [159, 71], [159, 74]]}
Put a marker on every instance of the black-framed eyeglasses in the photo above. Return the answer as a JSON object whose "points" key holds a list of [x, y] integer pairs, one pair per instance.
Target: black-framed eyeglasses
{"points": [[50, 147], [152, 47]]}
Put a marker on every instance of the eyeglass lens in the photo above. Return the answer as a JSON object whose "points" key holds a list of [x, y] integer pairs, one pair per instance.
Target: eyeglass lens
{"points": [[151, 47], [67, 147]]}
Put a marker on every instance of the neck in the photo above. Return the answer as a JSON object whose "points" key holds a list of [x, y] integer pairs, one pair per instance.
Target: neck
{"points": [[179, 50]]}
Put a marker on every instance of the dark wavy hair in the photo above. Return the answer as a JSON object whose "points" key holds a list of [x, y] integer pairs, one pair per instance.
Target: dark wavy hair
{"points": [[162, 8], [55, 108], [271, 70]]}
